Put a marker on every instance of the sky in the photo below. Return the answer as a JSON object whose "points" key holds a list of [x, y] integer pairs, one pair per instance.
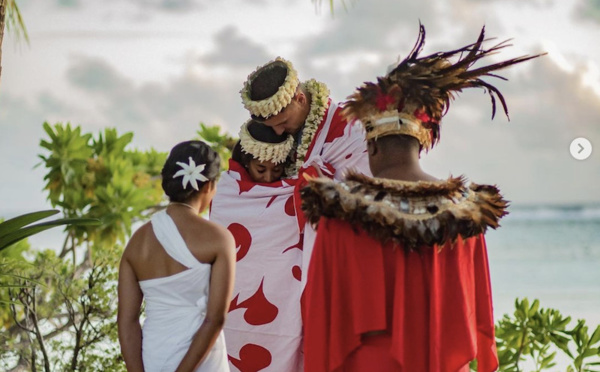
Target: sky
{"points": [[160, 67]]}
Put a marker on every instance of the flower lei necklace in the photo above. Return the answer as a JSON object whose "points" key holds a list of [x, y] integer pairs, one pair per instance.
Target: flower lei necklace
{"points": [[319, 94]]}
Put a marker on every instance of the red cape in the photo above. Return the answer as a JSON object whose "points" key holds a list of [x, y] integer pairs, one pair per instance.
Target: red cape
{"points": [[440, 302]]}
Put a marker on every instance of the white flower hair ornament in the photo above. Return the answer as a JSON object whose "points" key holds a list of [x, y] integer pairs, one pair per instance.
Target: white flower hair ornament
{"points": [[191, 173]]}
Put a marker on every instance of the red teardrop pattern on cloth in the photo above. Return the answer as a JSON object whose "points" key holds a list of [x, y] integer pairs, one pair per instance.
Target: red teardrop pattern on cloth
{"points": [[297, 272], [259, 310], [253, 358], [290, 210], [338, 126], [243, 239]]}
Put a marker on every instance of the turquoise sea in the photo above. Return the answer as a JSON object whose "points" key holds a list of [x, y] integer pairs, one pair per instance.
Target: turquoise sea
{"points": [[550, 253]]}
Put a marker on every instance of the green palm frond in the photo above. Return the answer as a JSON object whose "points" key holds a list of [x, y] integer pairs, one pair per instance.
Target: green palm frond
{"points": [[318, 4], [14, 20], [19, 228]]}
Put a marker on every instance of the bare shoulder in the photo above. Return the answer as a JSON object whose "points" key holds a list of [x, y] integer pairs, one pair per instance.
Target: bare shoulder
{"points": [[221, 235], [208, 240], [137, 241]]}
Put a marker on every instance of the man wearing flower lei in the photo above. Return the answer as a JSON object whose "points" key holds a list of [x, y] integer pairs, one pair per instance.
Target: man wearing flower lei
{"points": [[399, 277], [274, 95], [264, 325]]}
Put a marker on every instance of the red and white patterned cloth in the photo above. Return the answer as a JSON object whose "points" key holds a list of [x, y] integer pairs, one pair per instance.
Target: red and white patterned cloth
{"points": [[263, 331]]}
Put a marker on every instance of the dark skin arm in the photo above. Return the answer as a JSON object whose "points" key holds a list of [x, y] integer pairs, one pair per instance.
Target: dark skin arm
{"points": [[128, 317], [221, 288]]}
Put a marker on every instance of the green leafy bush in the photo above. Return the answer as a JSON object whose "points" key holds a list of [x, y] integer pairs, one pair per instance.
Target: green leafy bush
{"points": [[61, 305], [533, 336]]}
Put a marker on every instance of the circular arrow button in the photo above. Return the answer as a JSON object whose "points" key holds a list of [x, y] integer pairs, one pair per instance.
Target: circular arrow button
{"points": [[581, 148]]}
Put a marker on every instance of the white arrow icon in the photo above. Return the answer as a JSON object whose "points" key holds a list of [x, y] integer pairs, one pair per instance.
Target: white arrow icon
{"points": [[580, 148]]}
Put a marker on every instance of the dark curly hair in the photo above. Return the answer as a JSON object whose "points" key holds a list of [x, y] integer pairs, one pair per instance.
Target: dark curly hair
{"points": [[201, 153]]}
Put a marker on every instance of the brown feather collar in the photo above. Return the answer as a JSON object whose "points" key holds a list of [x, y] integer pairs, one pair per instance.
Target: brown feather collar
{"points": [[414, 214]]}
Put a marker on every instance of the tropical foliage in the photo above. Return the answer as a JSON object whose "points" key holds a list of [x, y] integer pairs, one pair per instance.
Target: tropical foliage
{"points": [[11, 20], [60, 305], [319, 3], [532, 337], [222, 143], [19, 228]]}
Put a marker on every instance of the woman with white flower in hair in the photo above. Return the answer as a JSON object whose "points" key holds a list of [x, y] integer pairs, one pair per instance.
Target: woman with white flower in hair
{"points": [[182, 266]]}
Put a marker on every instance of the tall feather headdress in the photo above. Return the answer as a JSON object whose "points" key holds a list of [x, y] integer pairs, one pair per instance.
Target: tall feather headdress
{"points": [[414, 96]]}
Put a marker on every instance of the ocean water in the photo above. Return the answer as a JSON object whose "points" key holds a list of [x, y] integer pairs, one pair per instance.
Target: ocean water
{"points": [[548, 253]]}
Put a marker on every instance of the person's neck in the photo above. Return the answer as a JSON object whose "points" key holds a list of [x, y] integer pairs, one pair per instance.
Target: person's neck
{"points": [[305, 111], [306, 108], [190, 206], [405, 168]]}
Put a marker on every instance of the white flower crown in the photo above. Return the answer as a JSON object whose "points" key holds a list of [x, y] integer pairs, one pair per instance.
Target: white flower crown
{"points": [[264, 151], [191, 173], [278, 101]]}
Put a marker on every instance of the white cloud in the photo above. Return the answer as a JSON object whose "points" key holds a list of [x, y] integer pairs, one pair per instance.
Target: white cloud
{"points": [[589, 10], [235, 50], [528, 156], [159, 113], [20, 133], [138, 67]]}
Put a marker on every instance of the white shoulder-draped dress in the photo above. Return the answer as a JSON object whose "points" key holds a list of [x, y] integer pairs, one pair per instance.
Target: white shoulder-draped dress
{"points": [[176, 307]]}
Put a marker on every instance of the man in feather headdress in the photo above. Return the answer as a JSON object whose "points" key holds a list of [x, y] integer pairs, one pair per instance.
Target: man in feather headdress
{"points": [[398, 279]]}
